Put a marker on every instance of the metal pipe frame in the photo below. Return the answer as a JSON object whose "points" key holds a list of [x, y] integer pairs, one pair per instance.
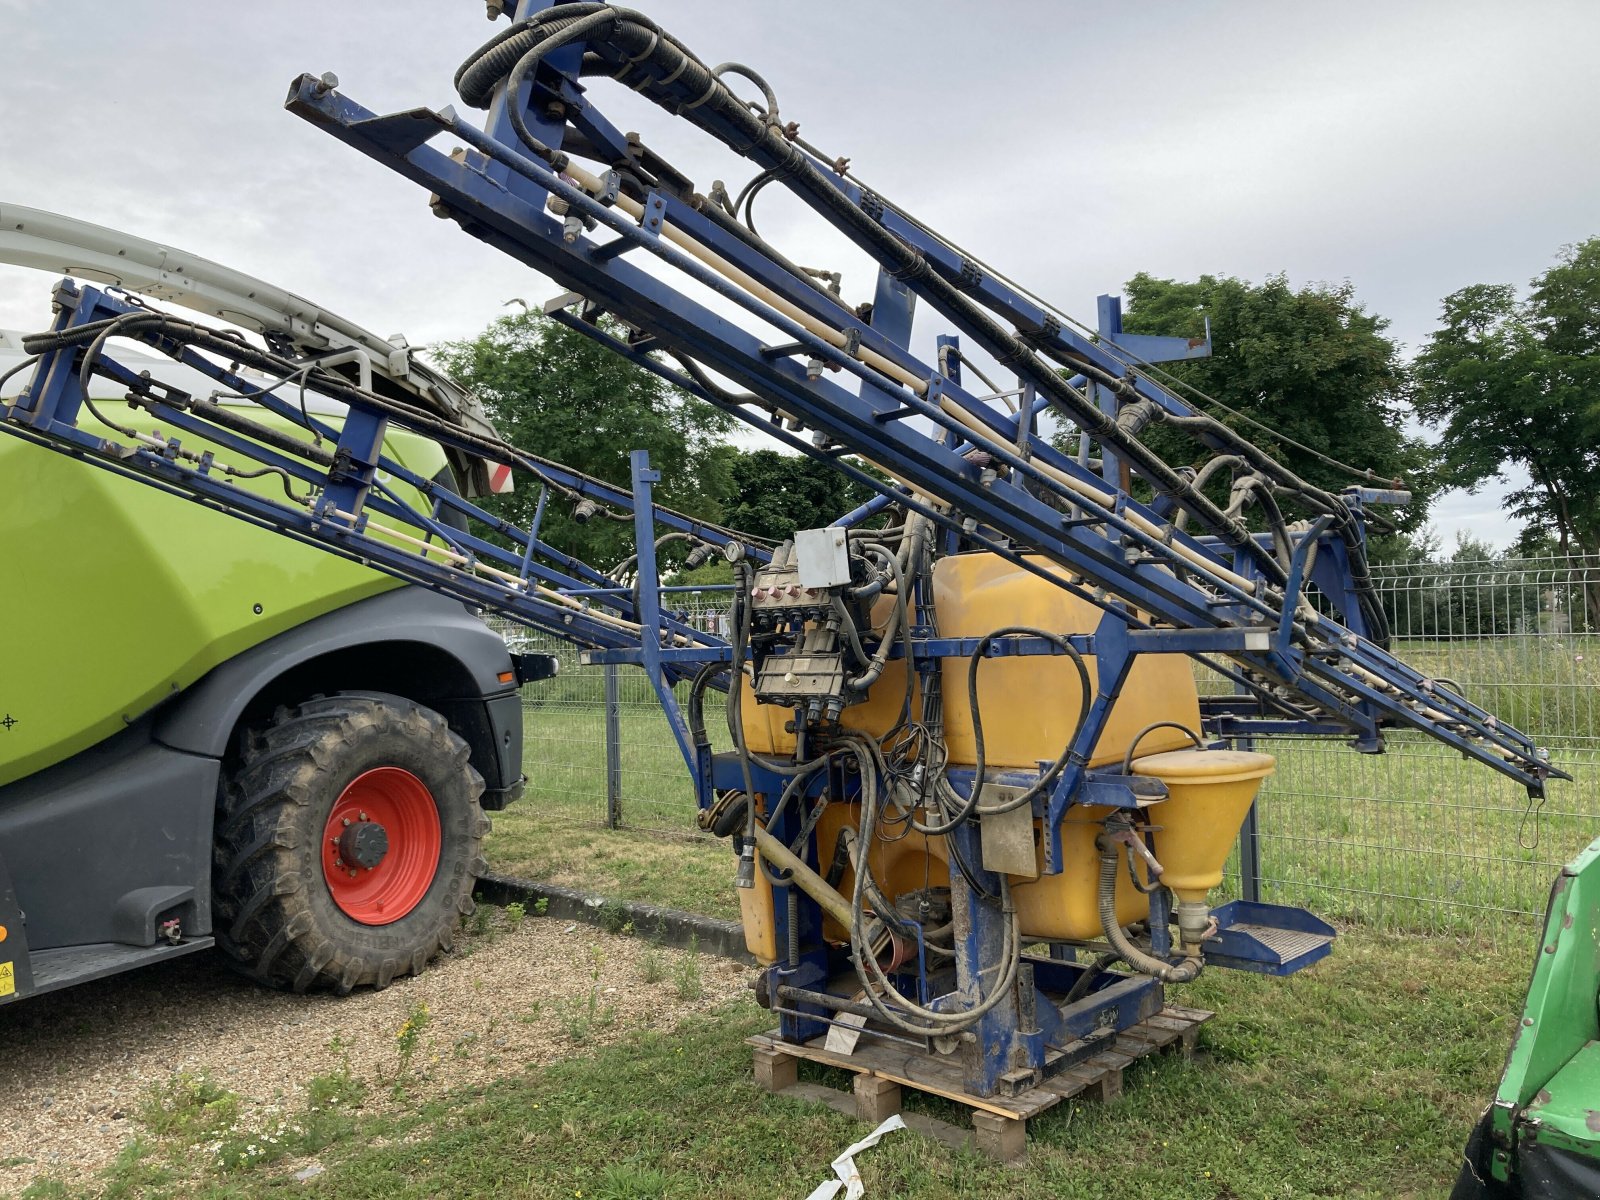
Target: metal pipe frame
{"points": [[1330, 665]]}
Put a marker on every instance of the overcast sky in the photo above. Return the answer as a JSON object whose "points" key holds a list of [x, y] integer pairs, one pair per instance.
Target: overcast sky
{"points": [[1411, 148]]}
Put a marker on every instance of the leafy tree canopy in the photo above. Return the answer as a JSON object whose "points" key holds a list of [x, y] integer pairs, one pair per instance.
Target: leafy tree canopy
{"points": [[774, 494], [556, 393], [1309, 363], [1509, 381]]}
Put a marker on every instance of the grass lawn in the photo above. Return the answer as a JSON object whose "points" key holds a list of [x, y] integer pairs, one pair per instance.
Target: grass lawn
{"points": [[685, 872], [1357, 1078]]}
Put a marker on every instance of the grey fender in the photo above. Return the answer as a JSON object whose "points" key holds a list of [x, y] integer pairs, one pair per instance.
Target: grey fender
{"points": [[408, 641]]}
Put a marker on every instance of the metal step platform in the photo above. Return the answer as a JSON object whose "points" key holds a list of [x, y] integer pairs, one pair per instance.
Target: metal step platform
{"points": [[70, 965], [1270, 939]]}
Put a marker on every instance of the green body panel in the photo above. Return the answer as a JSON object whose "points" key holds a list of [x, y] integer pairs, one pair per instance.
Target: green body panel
{"points": [[1567, 1108], [118, 595], [1550, 1090]]}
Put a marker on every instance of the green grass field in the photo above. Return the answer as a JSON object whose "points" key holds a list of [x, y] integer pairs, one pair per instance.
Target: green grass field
{"points": [[1357, 1078], [556, 833]]}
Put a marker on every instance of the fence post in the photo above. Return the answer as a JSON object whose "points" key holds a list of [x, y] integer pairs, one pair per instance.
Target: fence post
{"points": [[613, 749], [1249, 841], [1249, 857]]}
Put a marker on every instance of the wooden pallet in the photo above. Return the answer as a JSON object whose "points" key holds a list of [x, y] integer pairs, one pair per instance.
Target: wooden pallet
{"points": [[999, 1122]]}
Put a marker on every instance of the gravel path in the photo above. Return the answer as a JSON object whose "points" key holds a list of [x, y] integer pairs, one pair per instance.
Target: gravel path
{"points": [[75, 1065]]}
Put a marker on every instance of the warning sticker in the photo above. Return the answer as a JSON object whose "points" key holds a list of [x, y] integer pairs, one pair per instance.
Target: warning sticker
{"points": [[8, 979]]}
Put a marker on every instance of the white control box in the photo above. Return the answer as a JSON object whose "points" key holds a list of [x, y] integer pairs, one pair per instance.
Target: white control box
{"points": [[823, 557]]}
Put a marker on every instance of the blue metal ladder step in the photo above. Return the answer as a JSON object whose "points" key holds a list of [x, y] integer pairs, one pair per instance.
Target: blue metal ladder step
{"points": [[1272, 939]]}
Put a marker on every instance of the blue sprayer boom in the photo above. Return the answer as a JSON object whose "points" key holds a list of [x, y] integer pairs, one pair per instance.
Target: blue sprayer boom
{"points": [[957, 728]]}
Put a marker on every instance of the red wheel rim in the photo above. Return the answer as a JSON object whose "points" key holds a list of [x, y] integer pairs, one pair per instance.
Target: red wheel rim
{"points": [[380, 848]]}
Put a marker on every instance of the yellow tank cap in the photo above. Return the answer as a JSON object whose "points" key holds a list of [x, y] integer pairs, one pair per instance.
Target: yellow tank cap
{"points": [[1208, 766]]}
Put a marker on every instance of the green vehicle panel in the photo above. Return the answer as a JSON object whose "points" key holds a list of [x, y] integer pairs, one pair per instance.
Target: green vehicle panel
{"points": [[1541, 1135], [193, 590]]}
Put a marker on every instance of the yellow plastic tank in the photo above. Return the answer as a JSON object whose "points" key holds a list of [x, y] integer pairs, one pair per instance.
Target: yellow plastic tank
{"points": [[904, 865], [1030, 709], [1068, 905], [1029, 704], [1208, 794]]}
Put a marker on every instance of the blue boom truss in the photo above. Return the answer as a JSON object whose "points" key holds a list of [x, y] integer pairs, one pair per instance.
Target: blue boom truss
{"points": [[693, 296]]}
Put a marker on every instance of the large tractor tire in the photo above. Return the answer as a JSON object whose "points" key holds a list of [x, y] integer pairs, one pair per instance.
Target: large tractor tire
{"points": [[349, 839]]}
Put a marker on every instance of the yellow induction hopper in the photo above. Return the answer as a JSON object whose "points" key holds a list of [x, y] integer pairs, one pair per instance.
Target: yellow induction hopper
{"points": [[1208, 794]]}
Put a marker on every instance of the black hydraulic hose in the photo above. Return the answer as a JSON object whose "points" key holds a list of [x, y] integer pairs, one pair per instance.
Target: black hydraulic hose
{"points": [[697, 692], [1261, 488], [848, 627], [476, 78], [1028, 794], [1314, 497], [1259, 459], [1086, 698], [18, 370], [792, 788], [871, 974], [880, 657], [1086, 980], [780, 877], [554, 39], [1136, 958], [1127, 759], [770, 112]]}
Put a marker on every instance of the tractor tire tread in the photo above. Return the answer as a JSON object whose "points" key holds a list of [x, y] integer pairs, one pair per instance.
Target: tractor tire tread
{"points": [[276, 920]]}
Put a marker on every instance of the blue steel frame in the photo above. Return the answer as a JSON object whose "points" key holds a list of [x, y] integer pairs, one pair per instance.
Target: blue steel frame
{"points": [[1341, 678], [1159, 589], [352, 498]]}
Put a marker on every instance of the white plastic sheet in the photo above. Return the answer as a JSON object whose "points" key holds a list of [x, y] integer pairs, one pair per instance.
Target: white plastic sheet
{"points": [[849, 1181]]}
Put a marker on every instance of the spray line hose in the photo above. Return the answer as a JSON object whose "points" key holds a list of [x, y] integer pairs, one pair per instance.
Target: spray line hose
{"points": [[1182, 972]]}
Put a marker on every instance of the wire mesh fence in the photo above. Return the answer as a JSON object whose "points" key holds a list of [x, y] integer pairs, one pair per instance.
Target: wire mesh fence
{"points": [[1415, 838], [597, 748]]}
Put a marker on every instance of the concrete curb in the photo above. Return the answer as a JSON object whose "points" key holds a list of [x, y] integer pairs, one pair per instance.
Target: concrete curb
{"points": [[672, 926]]}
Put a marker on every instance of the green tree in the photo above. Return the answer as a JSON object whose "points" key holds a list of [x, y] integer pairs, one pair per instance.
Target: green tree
{"points": [[556, 393], [1309, 363], [1512, 382], [774, 494]]}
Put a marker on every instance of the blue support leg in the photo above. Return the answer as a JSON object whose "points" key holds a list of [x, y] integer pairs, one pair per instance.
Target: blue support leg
{"points": [[982, 944]]}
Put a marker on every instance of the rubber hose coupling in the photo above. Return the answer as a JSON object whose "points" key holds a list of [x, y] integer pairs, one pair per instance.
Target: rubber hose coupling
{"points": [[747, 866]]}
